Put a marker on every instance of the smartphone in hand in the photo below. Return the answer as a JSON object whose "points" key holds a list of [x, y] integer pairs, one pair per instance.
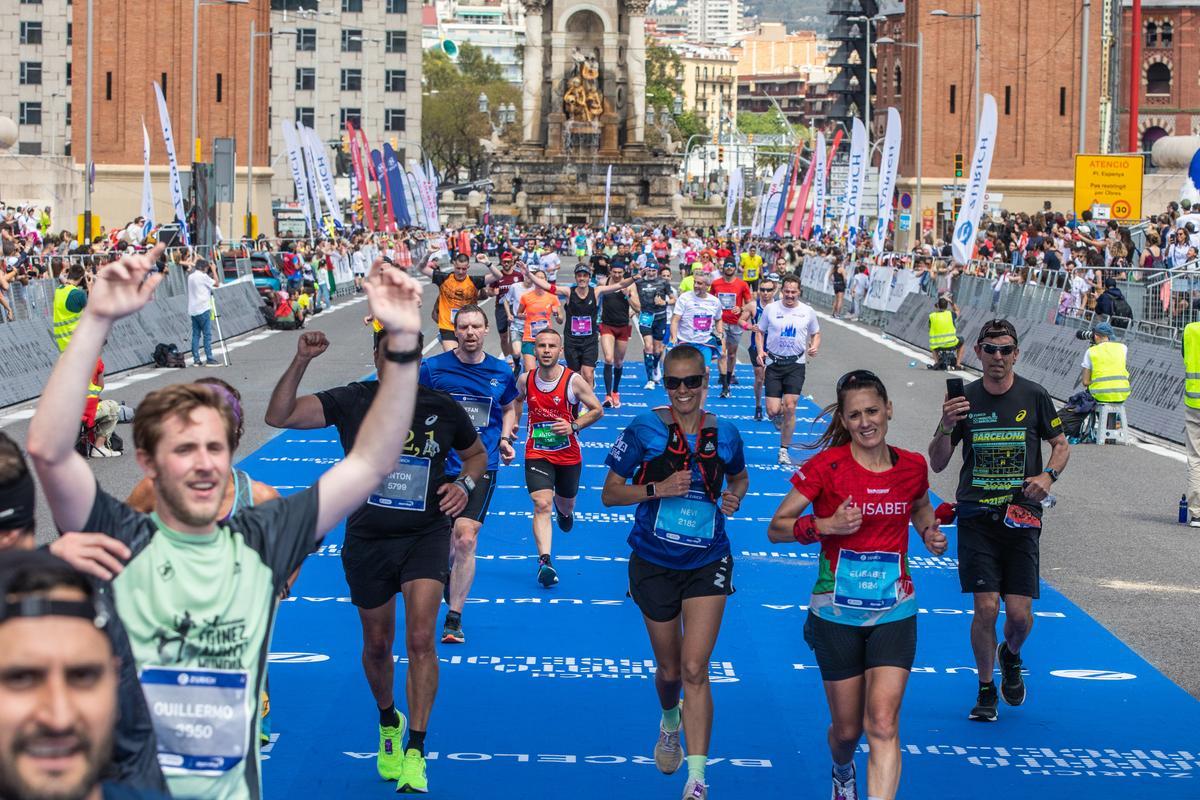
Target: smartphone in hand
{"points": [[954, 388]]}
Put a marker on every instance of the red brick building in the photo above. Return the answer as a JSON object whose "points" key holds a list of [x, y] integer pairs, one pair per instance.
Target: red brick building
{"points": [[1169, 88]]}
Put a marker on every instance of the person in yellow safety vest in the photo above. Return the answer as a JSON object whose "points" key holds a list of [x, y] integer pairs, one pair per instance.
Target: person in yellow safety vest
{"points": [[1104, 374], [942, 333], [69, 302], [1191, 417]]}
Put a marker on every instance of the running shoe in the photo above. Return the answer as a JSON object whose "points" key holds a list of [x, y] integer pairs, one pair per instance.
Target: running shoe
{"points": [[546, 575], [668, 753], [608, 403], [100, 451], [695, 790], [724, 394], [616, 400], [1012, 684], [389, 763], [845, 790], [733, 380], [213, 363], [565, 521], [758, 414], [649, 385], [785, 459], [412, 774], [985, 704], [777, 421], [451, 635]]}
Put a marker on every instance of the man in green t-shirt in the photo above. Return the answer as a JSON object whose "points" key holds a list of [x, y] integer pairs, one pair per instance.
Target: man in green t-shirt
{"points": [[198, 598]]}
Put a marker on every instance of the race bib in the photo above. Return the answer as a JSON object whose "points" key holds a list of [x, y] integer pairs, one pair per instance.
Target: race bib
{"points": [[702, 322], [581, 326], [406, 488], [545, 439], [646, 319], [866, 581], [479, 409], [728, 300], [200, 717], [453, 315], [689, 520], [750, 273], [536, 326]]}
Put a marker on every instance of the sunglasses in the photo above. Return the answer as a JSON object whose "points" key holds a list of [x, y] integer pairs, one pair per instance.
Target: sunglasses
{"points": [[1002, 349], [690, 381], [857, 376]]}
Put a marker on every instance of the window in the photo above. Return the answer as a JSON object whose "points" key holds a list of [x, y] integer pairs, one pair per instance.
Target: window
{"points": [[353, 115], [953, 98], [163, 83], [397, 42], [1158, 79], [293, 5], [108, 86], [1151, 34], [70, 31], [31, 2], [895, 81], [306, 40], [219, 87], [397, 6], [395, 80], [29, 148], [68, 122], [352, 40], [305, 115], [68, 73], [1062, 101], [394, 119], [352, 80], [1165, 34], [1007, 100], [306, 79], [352, 6], [31, 33], [31, 73], [31, 114]]}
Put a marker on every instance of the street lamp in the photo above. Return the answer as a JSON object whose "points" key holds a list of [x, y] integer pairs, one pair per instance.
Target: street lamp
{"points": [[867, 63], [941, 12], [677, 105], [920, 46], [250, 127]]}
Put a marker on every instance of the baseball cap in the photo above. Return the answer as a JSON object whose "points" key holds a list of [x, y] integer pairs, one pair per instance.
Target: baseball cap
{"points": [[1104, 329], [996, 328], [582, 269]]}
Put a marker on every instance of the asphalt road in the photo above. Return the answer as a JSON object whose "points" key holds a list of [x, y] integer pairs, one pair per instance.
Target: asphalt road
{"points": [[1111, 544]]}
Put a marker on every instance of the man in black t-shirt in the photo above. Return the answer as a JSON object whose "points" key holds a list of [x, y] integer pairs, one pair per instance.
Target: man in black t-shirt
{"points": [[1001, 422], [397, 542]]}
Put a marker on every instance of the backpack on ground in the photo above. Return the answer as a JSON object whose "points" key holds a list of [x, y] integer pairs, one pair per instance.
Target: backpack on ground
{"points": [[168, 355]]}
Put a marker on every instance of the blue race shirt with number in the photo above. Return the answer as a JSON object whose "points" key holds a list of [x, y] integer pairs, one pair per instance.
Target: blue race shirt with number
{"points": [[646, 438], [483, 390]]}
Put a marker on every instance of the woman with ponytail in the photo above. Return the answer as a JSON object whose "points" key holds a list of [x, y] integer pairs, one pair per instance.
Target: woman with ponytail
{"points": [[862, 622]]}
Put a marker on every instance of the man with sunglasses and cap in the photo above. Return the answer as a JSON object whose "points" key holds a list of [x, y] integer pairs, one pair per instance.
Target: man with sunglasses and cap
{"points": [[684, 470], [787, 336], [1001, 422]]}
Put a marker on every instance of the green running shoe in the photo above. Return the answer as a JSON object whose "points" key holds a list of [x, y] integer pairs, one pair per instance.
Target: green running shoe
{"points": [[390, 761], [412, 774]]}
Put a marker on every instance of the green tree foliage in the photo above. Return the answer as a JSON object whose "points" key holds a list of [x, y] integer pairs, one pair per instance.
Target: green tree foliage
{"points": [[476, 66]]}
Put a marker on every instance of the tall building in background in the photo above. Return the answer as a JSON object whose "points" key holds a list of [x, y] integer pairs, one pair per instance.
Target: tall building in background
{"points": [[851, 83], [713, 20], [357, 60], [496, 27], [36, 75]]}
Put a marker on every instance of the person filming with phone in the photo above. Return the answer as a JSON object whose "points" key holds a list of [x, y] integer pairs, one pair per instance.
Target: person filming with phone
{"points": [[1001, 421]]}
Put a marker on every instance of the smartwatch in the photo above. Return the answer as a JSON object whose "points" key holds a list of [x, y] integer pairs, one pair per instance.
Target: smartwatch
{"points": [[1053, 473], [650, 489], [467, 482], [574, 427]]}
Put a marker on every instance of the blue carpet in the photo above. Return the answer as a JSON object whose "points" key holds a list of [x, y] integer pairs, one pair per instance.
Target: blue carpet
{"points": [[552, 694]]}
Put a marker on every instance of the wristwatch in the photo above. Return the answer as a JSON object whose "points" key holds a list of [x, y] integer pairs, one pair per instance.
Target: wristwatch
{"points": [[1053, 473], [509, 439], [650, 489], [404, 358], [574, 427], [467, 482]]}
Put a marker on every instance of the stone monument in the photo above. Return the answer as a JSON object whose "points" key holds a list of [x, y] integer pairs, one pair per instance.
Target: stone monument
{"points": [[583, 109]]}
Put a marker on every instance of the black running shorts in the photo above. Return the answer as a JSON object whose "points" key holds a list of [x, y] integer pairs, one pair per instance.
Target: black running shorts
{"points": [[501, 318], [377, 568], [660, 591], [481, 498], [993, 557], [562, 478], [847, 651], [581, 352], [781, 379], [447, 335]]}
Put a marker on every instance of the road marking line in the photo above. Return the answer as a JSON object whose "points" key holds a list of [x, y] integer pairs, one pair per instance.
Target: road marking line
{"points": [[1136, 586]]}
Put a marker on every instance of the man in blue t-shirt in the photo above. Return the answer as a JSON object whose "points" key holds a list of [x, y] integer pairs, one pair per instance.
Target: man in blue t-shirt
{"points": [[685, 470], [484, 386]]}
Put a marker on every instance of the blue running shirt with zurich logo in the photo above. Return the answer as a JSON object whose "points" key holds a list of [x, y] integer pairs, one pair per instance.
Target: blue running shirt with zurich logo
{"points": [[483, 390], [645, 439]]}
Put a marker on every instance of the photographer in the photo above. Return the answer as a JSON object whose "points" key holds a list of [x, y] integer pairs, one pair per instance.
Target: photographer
{"points": [[1104, 373]]}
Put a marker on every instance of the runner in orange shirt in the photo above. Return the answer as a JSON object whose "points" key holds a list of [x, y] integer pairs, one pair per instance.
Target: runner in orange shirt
{"points": [[538, 307]]}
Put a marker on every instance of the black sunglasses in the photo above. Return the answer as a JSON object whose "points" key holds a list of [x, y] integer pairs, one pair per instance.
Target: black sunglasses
{"points": [[857, 376], [690, 381], [1002, 349]]}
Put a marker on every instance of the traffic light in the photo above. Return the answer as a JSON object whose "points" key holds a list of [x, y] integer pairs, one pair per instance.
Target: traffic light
{"points": [[957, 206], [750, 138], [958, 165], [720, 154]]}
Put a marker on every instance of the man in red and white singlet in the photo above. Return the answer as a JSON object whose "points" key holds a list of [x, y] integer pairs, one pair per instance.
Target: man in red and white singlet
{"points": [[553, 460]]}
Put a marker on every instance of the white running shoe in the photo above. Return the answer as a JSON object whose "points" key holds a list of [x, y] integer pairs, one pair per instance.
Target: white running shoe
{"points": [[696, 790], [845, 791], [668, 754], [649, 385], [784, 457], [100, 451]]}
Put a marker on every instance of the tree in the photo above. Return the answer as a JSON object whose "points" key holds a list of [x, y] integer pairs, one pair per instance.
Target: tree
{"points": [[476, 66], [456, 136], [438, 71], [691, 124]]}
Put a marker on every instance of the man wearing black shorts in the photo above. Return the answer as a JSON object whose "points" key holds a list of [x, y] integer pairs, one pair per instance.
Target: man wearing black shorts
{"points": [[508, 276], [1001, 422], [787, 335], [397, 542], [654, 296]]}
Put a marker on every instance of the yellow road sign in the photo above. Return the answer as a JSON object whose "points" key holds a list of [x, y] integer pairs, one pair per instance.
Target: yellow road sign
{"points": [[1113, 181]]}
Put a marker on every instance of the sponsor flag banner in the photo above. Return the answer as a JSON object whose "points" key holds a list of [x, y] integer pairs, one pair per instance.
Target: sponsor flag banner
{"points": [[607, 195], [169, 141], [731, 196], [855, 175], [781, 209], [887, 180], [311, 173], [771, 204], [360, 176], [395, 182], [963, 243], [801, 207], [296, 164], [820, 181], [316, 150], [147, 196], [385, 197]]}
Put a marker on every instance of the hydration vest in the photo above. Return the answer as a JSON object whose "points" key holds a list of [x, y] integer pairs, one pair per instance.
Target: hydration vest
{"points": [[677, 455]]}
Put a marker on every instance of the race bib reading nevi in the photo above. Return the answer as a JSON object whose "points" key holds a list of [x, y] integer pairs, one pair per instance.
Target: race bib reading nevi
{"points": [[646, 319], [689, 520], [581, 326], [200, 718], [702, 323], [866, 581], [479, 409], [406, 488], [545, 439]]}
